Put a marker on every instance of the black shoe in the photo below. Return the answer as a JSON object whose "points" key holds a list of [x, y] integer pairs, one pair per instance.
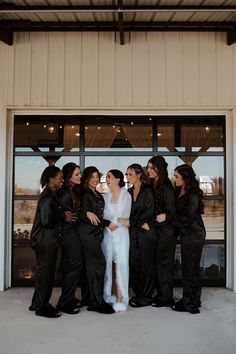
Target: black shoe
{"points": [[179, 306], [104, 308], [138, 303], [48, 311], [70, 309], [32, 308], [159, 303], [192, 309]]}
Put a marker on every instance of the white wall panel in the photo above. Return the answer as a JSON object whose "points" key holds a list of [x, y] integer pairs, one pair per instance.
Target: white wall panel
{"points": [[207, 52], [140, 69], [157, 69], [174, 69], [6, 74], [22, 68], [234, 72], [73, 64], [39, 68], [224, 87], [106, 69], [56, 68], [94, 70], [123, 73], [89, 69], [191, 89]]}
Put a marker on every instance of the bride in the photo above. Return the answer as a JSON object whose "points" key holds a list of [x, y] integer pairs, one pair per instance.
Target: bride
{"points": [[115, 244]]}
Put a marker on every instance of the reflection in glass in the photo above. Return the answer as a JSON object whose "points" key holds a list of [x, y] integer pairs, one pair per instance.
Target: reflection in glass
{"points": [[65, 159], [28, 170], [201, 138], [24, 211], [166, 137], [130, 136], [46, 136], [213, 218], [212, 263]]}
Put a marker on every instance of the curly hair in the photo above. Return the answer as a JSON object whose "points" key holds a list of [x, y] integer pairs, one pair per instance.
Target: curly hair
{"points": [[191, 183], [49, 172], [137, 168], [68, 170], [160, 165]]}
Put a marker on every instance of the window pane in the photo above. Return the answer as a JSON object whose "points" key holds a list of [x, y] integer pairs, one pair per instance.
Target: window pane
{"points": [[130, 136], [209, 169], [200, 138], [213, 218], [166, 137], [46, 136], [28, 171], [65, 159]]}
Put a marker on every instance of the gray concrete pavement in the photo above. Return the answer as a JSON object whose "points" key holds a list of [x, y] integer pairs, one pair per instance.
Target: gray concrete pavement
{"points": [[139, 331]]}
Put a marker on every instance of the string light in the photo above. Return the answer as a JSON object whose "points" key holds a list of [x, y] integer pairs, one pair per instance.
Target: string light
{"points": [[132, 123], [27, 123], [99, 127], [45, 126], [51, 130]]}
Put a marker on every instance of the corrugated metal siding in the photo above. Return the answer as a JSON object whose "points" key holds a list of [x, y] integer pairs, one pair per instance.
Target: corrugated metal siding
{"points": [[94, 70]]}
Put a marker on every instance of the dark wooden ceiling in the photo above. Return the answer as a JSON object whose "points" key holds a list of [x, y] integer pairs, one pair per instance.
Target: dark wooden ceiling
{"points": [[117, 16]]}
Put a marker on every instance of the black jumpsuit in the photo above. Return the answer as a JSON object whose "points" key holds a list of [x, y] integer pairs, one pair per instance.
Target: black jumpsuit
{"points": [[71, 251], [165, 250], [91, 237], [142, 246], [192, 234], [45, 240]]}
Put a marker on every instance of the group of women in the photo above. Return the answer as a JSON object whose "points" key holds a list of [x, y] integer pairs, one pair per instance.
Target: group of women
{"points": [[124, 238]]}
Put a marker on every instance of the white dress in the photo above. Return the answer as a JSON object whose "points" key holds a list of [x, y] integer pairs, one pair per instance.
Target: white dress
{"points": [[115, 246]]}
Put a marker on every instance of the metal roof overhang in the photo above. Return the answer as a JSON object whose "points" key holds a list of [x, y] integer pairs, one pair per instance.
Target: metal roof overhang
{"points": [[119, 23]]}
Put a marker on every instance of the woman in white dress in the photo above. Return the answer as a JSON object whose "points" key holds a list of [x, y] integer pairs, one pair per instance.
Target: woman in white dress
{"points": [[115, 244]]}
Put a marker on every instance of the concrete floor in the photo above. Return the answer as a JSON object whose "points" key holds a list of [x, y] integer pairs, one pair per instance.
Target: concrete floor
{"points": [[139, 331]]}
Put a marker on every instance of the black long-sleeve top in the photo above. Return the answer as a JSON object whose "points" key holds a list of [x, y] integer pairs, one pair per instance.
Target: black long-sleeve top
{"points": [[67, 204], [167, 205], [142, 209], [188, 218], [46, 230], [93, 202]]}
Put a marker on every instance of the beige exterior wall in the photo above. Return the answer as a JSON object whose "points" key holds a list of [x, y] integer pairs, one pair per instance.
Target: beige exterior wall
{"points": [[94, 70], [191, 72]]}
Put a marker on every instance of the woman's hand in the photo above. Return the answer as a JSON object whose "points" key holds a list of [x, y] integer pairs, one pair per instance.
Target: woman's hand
{"points": [[92, 218], [145, 226], [161, 217], [123, 221], [70, 217], [112, 227]]}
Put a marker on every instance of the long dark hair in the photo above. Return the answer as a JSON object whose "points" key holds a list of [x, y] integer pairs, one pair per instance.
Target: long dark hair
{"points": [[118, 174], [191, 183], [68, 170], [137, 168], [49, 172], [160, 166], [87, 174]]}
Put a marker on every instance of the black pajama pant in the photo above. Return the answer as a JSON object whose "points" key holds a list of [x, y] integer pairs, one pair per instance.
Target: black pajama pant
{"points": [[142, 265], [165, 263], [44, 277], [191, 251], [95, 265], [72, 262]]}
